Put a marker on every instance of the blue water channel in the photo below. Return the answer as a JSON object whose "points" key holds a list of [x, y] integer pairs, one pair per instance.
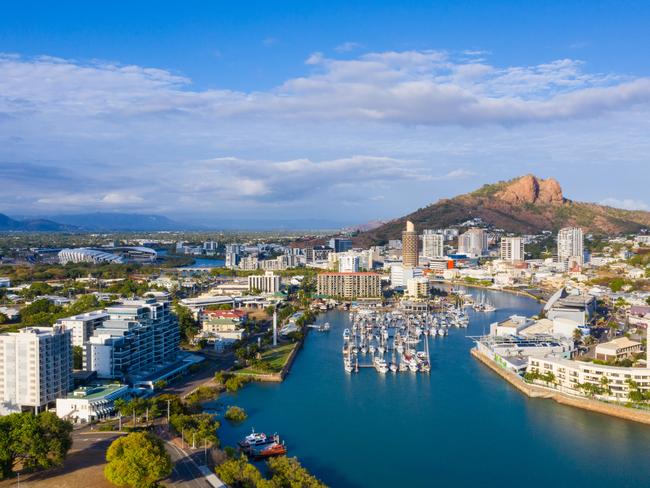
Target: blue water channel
{"points": [[460, 425]]}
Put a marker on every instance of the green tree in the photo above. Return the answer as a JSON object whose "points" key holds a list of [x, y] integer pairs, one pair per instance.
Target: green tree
{"points": [[577, 335], [187, 324], [289, 472], [33, 441], [78, 357], [138, 460], [196, 428], [3, 318], [235, 414], [239, 473]]}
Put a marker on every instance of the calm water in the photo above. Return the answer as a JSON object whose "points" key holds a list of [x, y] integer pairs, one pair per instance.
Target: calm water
{"points": [[206, 263], [459, 426]]}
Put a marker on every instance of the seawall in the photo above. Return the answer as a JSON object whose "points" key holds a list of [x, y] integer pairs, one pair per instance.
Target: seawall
{"points": [[535, 391]]}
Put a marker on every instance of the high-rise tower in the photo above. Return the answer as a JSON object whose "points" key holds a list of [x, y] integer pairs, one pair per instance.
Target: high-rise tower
{"points": [[409, 245]]}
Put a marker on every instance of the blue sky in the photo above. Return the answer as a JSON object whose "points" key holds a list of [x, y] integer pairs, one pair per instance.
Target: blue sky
{"points": [[346, 111]]}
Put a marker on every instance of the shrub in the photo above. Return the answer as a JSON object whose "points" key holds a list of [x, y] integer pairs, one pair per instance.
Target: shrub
{"points": [[235, 414]]}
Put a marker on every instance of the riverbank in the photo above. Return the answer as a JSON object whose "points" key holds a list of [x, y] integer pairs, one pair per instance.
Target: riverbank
{"points": [[536, 391]]}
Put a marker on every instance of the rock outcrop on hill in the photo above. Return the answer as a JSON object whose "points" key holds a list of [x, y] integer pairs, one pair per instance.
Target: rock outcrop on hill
{"points": [[527, 204]]}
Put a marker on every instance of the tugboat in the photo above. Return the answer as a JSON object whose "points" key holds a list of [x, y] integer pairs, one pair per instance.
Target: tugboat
{"points": [[270, 450]]}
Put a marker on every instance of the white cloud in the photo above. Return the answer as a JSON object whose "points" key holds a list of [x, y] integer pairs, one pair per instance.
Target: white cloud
{"points": [[410, 87], [625, 203], [98, 135], [121, 198]]}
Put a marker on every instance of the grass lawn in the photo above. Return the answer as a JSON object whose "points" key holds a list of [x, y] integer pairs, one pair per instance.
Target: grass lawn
{"points": [[274, 359]]}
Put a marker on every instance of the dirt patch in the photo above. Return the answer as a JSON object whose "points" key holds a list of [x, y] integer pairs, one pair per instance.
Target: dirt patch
{"points": [[83, 467]]}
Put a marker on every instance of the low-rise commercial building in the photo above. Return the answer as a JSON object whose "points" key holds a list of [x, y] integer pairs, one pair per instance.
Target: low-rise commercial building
{"points": [[223, 325], [619, 348], [90, 403]]}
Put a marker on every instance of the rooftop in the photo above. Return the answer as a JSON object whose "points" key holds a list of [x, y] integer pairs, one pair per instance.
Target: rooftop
{"points": [[618, 343], [95, 391]]}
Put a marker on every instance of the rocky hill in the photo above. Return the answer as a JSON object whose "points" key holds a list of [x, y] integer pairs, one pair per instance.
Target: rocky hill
{"points": [[524, 205]]}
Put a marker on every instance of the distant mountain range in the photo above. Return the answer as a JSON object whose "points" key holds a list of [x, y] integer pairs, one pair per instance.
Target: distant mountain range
{"points": [[31, 225], [120, 222], [92, 222], [106, 222], [525, 205]]}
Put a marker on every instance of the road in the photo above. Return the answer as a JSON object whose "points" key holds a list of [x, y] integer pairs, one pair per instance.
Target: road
{"points": [[186, 473]]}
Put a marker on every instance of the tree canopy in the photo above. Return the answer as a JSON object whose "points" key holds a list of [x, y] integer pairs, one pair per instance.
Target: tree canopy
{"points": [[138, 460], [33, 441]]}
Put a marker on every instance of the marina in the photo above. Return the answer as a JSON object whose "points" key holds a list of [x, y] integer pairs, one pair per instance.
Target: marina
{"points": [[396, 341], [468, 415]]}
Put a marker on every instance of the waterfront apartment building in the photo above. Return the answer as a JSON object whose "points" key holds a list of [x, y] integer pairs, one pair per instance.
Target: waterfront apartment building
{"points": [[512, 249], [570, 245], [269, 282], [349, 285], [83, 325], [417, 287], [140, 335], [433, 244], [473, 243], [613, 380], [409, 245], [35, 367]]}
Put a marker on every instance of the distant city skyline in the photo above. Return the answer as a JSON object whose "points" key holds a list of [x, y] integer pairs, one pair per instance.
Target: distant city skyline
{"points": [[342, 113]]}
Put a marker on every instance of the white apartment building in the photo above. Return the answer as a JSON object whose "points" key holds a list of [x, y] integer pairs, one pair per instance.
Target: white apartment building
{"points": [[348, 263], [399, 275], [433, 244], [35, 367], [140, 335], [266, 283], [473, 243], [512, 249], [570, 245], [82, 326], [5, 282], [417, 287], [614, 380], [248, 263]]}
